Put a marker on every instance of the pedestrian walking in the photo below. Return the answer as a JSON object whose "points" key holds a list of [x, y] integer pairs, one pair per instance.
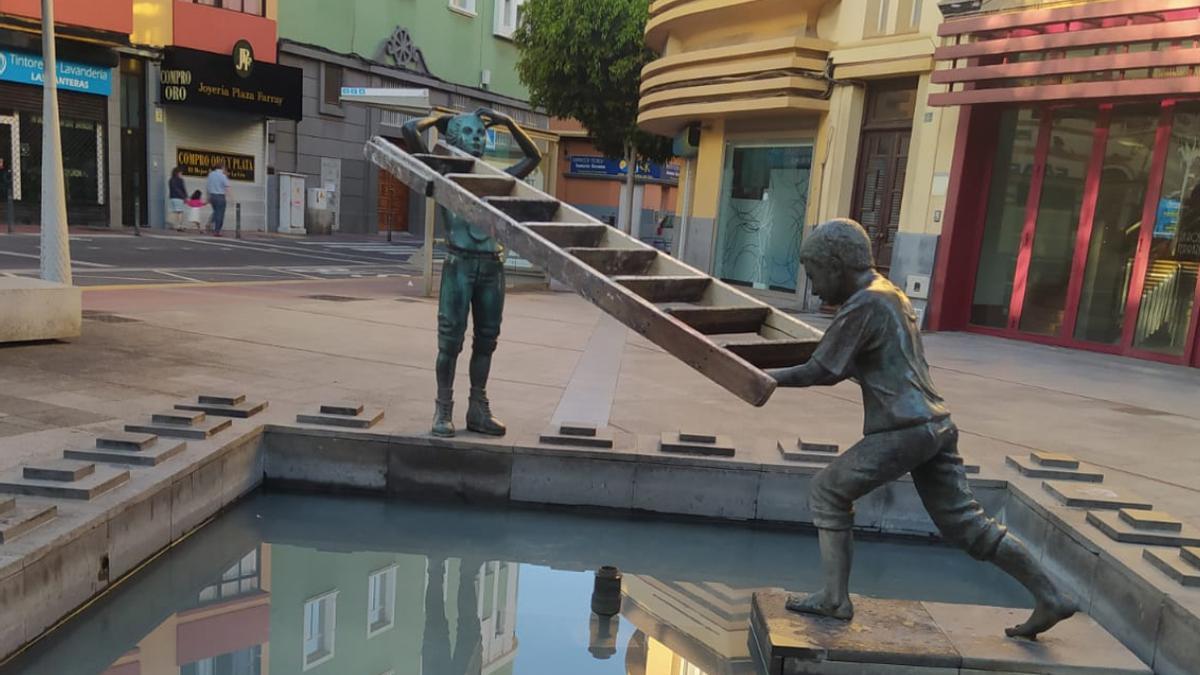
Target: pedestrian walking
{"points": [[178, 195], [218, 192], [194, 204]]}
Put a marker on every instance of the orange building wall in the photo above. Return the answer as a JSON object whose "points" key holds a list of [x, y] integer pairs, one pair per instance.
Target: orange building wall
{"points": [[603, 191], [110, 15], [216, 30]]}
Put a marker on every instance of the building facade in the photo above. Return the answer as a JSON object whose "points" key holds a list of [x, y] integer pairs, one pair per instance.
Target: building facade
{"points": [[593, 183], [210, 88], [460, 50], [803, 111], [92, 46], [1074, 198]]}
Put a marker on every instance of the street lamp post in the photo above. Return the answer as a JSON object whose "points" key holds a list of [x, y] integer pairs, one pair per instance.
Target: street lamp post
{"points": [[56, 251]]}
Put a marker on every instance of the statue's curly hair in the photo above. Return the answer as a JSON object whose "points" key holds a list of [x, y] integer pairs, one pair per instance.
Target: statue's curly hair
{"points": [[842, 239]]}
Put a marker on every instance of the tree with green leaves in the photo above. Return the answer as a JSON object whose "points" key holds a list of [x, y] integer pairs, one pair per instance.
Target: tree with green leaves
{"points": [[583, 59]]}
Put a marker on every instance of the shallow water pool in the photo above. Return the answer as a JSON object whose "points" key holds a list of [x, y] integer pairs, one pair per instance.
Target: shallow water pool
{"points": [[336, 586]]}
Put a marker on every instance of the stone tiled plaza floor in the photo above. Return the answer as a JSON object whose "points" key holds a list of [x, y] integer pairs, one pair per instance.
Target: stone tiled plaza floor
{"points": [[144, 349]]}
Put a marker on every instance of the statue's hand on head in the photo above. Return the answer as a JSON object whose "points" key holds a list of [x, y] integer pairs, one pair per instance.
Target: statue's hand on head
{"points": [[491, 118]]}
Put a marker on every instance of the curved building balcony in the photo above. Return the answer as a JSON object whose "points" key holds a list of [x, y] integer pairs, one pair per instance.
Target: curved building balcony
{"points": [[668, 17], [768, 78]]}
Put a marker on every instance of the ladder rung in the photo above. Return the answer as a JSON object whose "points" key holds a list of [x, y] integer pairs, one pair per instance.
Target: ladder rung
{"points": [[525, 210], [482, 185], [445, 164], [567, 235], [773, 353], [722, 320], [666, 288], [616, 261]]}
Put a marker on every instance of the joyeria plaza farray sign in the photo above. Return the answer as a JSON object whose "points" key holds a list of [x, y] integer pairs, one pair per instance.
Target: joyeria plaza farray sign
{"points": [[227, 82]]}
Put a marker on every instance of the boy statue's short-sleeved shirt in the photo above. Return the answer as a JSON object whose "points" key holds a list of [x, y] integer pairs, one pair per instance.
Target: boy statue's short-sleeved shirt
{"points": [[874, 340]]}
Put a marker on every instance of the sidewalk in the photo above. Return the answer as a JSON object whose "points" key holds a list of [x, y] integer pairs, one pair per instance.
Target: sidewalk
{"points": [[374, 341]]}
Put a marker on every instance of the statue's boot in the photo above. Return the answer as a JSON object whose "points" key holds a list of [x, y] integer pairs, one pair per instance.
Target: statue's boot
{"points": [[479, 415], [443, 414]]}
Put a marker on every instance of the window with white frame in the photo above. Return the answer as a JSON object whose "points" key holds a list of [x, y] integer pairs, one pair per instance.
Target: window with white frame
{"points": [[320, 627], [467, 6], [508, 12], [381, 601]]}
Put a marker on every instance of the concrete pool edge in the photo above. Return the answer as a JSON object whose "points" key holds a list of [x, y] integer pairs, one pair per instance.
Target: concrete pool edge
{"points": [[50, 572]]}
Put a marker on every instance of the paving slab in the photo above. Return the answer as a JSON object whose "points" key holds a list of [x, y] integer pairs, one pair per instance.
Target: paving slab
{"points": [[1175, 564], [120, 440], [155, 455], [1146, 519], [222, 399], [61, 470], [196, 432], [578, 429], [238, 410], [189, 417], [1059, 460], [696, 444], [1032, 469], [1111, 524], [342, 408], [883, 632], [365, 420], [599, 439], [104, 478], [1092, 496], [23, 517], [1077, 646]]}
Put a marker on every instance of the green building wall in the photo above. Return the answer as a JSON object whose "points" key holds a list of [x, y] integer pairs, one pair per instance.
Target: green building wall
{"points": [[457, 48]]}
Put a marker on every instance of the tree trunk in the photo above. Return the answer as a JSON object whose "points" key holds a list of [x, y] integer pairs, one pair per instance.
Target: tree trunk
{"points": [[631, 172]]}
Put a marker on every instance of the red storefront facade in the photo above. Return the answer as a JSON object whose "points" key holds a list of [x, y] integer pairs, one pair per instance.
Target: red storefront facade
{"points": [[1073, 213]]}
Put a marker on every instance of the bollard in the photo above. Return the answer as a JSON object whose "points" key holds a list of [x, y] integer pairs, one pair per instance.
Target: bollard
{"points": [[388, 220], [237, 222], [606, 593], [11, 211], [137, 217]]}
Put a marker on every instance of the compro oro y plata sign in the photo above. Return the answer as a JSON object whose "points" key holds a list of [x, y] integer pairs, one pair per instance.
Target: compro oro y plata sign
{"points": [[200, 162]]}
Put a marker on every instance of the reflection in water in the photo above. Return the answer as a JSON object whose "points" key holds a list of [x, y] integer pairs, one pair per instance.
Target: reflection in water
{"points": [[287, 584]]}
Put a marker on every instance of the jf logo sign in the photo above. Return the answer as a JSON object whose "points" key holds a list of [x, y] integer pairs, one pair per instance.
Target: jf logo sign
{"points": [[243, 59]]}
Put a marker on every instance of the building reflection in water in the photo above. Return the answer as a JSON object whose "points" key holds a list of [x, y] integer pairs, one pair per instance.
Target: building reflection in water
{"points": [[287, 609]]}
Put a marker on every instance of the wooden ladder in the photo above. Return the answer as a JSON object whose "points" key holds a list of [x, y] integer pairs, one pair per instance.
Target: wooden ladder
{"points": [[726, 335]]}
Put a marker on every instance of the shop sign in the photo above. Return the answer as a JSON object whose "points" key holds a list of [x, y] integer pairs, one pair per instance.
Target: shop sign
{"points": [[232, 82], [1167, 218], [595, 165], [200, 162], [27, 69]]}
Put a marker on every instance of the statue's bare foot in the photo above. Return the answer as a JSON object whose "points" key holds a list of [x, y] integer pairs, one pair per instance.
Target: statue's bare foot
{"points": [[1048, 612], [818, 603]]}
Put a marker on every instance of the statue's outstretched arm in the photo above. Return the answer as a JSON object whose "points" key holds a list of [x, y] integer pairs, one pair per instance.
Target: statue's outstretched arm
{"points": [[533, 156], [809, 374]]}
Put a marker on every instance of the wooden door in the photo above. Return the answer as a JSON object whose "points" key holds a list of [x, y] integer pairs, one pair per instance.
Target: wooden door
{"points": [[393, 203], [880, 189], [882, 161]]}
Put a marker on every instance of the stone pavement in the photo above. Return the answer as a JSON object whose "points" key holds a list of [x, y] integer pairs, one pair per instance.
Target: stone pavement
{"points": [[373, 341]]}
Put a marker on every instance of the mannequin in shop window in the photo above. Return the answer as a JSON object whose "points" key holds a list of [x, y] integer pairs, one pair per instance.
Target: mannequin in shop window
{"points": [[472, 275]]}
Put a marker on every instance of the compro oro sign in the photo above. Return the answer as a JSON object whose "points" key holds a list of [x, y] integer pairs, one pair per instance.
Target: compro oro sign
{"points": [[233, 82], [200, 162], [27, 69]]}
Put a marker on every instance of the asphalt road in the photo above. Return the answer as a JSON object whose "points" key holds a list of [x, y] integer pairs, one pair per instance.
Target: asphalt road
{"points": [[118, 259]]}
